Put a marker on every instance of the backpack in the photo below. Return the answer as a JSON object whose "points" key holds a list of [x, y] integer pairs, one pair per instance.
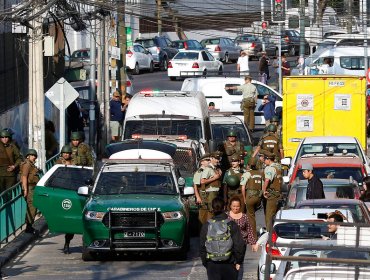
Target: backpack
{"points": [[219, 242]]}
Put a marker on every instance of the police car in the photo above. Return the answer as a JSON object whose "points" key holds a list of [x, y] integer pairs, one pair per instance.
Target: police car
{"points": [[135, 204]]}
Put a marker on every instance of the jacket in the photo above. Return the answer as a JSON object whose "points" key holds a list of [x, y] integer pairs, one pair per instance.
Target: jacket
{"points": [[268, 108], [238, 250], [315, 189]]}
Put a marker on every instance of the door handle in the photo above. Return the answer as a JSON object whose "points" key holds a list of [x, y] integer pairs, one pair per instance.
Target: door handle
{"points": [[44, 194]]}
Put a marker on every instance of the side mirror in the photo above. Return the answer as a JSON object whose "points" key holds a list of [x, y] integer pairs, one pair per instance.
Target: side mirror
{"points": [[83, 191], [181, 182], [272, 268], [286, 161], [188, 191]]}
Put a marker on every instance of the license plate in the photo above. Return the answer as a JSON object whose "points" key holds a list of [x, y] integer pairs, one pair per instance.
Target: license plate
{"points": [[134, 234], [180, 64]]}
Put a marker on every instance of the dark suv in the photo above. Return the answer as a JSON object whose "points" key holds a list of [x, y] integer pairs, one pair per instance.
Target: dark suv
{"points": [[292, 38], [161, 48]]}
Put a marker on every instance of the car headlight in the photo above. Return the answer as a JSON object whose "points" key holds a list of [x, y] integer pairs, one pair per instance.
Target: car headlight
{"points": [[94, 216], [176, 215]]}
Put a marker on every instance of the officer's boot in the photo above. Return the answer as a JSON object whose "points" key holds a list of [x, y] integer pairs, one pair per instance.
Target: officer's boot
{"points": [[68, 237]]}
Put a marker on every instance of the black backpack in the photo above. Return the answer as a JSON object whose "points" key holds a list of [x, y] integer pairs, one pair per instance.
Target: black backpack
{"points": [[219, 243]]}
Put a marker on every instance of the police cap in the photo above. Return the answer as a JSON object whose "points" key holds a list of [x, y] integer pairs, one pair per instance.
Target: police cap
{"points": [[235, 158], [205, 157], [215, 155], [268, 155], [31, 152], [5, 133]]}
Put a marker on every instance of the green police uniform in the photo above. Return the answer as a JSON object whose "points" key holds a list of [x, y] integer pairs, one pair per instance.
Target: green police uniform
{"points": [[9, 155], [208, 192], [252, 180], [272, 172], [82, 155], [249, 103], [233, 191], [231, 150], [29, 170], [64, 161], [270, 142]]}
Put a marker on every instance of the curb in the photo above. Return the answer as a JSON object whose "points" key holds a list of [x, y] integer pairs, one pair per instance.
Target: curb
{"points": [[21, 241]]}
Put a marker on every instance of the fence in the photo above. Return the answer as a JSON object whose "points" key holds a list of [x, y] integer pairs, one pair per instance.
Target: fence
{"points": [[13, 208]]}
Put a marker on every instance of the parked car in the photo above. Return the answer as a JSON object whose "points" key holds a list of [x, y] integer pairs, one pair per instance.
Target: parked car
{"points": [[358, 208], [182, 45], [229, 100], [139, 58], [292, 38], [287, 228], [161, 49], [250, 43], [321, 145], [195, 61], [221, 48], [81, 55], [333, 189]]}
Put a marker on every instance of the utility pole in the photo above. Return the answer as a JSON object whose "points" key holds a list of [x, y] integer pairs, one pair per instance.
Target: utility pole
{"points": [[280, 74], [302, 43], [262, 20], [159, 18], [92, 91], [364, 9], [36, 136], [350, 12], [122, 45]]}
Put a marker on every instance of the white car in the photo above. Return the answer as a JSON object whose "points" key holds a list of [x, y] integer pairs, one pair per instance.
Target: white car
{"points": [[194, 62], [323, 145], [138, 58], [286, 232], [213, 89]]}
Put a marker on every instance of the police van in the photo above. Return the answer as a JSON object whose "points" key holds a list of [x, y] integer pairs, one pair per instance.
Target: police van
{"points": [[168, 113], [138, 202]]}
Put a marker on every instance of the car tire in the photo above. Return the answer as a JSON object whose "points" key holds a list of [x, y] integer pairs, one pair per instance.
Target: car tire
{"points": [[204, 74], [220, 71], [87, 256], [172, 78], [226, 59], [164, 66], [136, 70], [151, 67]]}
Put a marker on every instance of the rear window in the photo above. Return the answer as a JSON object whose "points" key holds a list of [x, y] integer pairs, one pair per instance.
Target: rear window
{"points": [[211, 42], [186, 56], [146, 43], [331, 192], [301, 230], [337, 148], [336, 172], [69, 178]]}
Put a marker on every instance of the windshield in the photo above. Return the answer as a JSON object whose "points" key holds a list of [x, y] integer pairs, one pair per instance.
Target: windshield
{"points": [[331, 192], [301, 230], [186, 56], [220, 132], [323, 148], [112, 183], [146, 43], [335, 172], [191, 128]]}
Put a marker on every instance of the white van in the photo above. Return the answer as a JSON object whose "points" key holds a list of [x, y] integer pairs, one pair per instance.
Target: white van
{"points": [[344, 60], [213, 89], [168, 112]]}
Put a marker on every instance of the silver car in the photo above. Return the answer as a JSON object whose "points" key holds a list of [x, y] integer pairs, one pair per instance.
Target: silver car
{"points": [[222, 48], [250, 43]]}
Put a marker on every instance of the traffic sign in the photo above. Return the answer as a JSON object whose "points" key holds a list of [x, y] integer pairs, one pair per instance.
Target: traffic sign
{"points": [[368, 75], [61, 94]]}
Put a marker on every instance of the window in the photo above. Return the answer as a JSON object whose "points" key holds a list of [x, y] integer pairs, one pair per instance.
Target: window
{"points": [[220, 131], [146, 43], [205, 57], [233, 91], [69, 178], [186, 56], [210, 57], [140, 49], [352, 62], [262, 91]]}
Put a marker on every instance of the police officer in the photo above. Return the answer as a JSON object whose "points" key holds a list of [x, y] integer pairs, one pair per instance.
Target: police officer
{"points": [[81, 152], [29, 179], [10, 160], [204, 162], [231, 182], [66, 159], [231, 148], [210, 184], [251, 184], [270, 142], [276, 121], [271, 187], [249, 101]]}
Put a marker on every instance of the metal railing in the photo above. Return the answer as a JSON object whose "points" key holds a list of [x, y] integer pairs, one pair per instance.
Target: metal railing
{"points": [[13, 208]]}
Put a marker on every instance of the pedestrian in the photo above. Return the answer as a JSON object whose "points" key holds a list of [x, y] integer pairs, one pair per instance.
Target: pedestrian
{"points": [[285, 66], [263, 67], [202, 205], [212, 107], [116, 116], [242, 64], [268, 107], [210, 183], [222, 247], [51, 144], [251, 184], [237, 215], [365, 196], [10, 160], [270, 142], [249, 101], [29, 179], [315, 188], [230, 148], [66, 159], [231, 181], [81, 152], [334, 217], [271, 188], [75, 119]]}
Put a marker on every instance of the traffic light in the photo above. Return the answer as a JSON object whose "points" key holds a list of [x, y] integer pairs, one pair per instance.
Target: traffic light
{"points": [[278, 10]]}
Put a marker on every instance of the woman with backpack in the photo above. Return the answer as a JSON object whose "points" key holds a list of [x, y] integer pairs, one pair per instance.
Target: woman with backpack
{"points": [[241, 219], [222, 247]]}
